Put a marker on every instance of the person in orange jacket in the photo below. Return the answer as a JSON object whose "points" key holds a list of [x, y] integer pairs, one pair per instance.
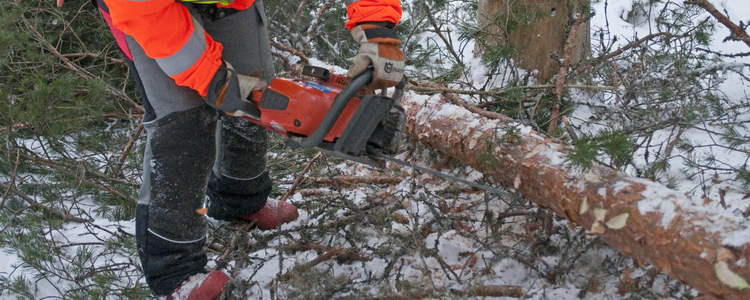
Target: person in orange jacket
{"points": [[190, 60]]}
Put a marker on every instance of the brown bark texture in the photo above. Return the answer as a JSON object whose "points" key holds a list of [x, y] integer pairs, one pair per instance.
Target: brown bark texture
{"points": [[639, 218], [536, 41]]}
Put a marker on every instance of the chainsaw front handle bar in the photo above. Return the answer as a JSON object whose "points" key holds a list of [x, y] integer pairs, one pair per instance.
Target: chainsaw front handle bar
{"points": [[339, 103]]}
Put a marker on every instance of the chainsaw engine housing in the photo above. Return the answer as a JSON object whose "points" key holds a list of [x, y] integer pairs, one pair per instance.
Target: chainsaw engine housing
{"points": [[331, 114]]}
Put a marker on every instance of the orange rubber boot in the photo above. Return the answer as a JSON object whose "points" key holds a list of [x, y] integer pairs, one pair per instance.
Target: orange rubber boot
{"points": [[272, 215], [201, 287]]}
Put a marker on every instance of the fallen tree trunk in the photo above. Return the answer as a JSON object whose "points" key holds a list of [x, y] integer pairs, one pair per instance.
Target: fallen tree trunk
{"points": [[706, 249]]}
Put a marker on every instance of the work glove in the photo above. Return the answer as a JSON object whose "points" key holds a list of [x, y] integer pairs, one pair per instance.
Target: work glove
{"points": [[379, 48], [229, 92]]}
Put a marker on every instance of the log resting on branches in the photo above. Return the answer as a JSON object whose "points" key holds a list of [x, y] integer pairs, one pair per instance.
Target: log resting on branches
{"points": [[645, 220]]}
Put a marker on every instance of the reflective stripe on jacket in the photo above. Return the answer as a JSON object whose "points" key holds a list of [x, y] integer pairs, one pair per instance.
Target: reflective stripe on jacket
{"points": [[168, 33]]}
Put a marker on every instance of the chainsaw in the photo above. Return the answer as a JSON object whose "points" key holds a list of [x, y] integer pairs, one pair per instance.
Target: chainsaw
{"points": [[334, 114], [331, 113]]}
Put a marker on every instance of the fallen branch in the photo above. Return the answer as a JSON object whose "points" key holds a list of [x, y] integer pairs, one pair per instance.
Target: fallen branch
{"points": [[513, 291], [436, 90], [352, 180], [33, 203], [312, 192], [460, 102], [25, 125], [59, 166]]}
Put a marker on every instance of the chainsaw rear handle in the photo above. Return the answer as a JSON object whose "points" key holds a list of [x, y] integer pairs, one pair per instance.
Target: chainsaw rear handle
{"points": [[339, 103]]}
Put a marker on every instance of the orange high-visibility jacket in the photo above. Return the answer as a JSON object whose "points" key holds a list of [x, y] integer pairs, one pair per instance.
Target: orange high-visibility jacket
{"points": [[168, 33]]}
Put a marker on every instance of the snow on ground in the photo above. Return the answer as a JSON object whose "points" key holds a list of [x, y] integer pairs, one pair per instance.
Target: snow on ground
{"points": [[448, 256]]}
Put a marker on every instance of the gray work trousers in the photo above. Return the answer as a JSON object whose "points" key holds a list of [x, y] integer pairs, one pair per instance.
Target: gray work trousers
{"points": [[187, 140]]}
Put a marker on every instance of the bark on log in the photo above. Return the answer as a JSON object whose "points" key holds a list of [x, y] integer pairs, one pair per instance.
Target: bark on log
{"points": [[706, 250]]}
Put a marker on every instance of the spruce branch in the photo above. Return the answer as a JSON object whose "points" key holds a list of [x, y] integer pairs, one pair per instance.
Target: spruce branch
{"points": [[594, 62], [60, 164], [27, 125], [738, 33], [33, 203], [75, 68], [61, 167]]}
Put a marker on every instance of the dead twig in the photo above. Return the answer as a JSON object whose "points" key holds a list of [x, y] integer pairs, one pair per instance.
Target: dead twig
{"points": [[314, 24], [299, 11], [128, 147], [472, 108], [301, 269], [562, 74], [12, 178], [300, 177], [94, 55], [292, 51], [570, 130]]}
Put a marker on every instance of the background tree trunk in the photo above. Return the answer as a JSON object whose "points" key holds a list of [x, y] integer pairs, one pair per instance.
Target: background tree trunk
{"points": [[639, 218], [536, 30]]}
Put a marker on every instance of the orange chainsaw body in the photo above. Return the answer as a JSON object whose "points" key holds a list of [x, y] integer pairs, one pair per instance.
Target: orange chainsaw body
{"points": [[294, 107], [331, 113]]}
